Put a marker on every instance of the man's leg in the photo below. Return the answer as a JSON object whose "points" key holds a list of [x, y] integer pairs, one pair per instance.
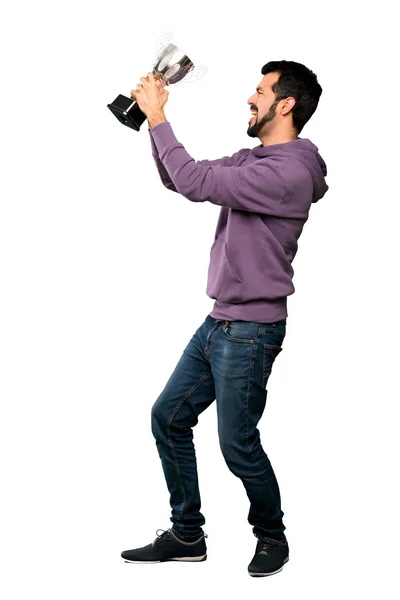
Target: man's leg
{"points": [[188, 392], [241, 358]]}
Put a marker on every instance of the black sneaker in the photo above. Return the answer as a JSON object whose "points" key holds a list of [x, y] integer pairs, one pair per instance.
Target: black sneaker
{"points": [[168, 546], [271, 554]]}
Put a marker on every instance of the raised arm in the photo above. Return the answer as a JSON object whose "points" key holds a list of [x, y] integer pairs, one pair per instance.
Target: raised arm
{"points": [[225, 161]]}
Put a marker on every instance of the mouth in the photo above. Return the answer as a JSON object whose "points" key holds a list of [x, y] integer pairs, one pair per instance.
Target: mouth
{"points": [[254, 113]]}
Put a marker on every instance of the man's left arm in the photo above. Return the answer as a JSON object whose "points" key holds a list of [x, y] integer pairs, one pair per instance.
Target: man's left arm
{"points": [[259, 187]]}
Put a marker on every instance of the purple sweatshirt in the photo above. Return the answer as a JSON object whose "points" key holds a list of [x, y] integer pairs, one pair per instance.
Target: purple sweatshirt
{"points": [[265, 194]]}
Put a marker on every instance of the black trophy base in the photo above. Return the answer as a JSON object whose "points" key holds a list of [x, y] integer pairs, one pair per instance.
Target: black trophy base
{"points": [[127, 112]]}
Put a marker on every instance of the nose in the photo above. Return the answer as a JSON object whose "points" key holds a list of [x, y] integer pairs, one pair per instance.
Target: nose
{"points": [[250, 100]]}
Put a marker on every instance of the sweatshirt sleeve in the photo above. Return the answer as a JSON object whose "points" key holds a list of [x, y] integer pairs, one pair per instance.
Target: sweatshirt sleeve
{"points": [[225, 161], [165, 178], [258, 187]]}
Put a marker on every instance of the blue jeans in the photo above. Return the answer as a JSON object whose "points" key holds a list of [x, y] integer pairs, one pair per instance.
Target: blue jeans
{"points": [[230, 362]]}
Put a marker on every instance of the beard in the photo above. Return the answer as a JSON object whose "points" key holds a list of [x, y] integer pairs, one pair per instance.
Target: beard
{"points": [[254, 130]]}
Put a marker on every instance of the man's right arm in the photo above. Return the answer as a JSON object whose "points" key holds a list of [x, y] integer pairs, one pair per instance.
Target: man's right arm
{"points": [[225, 161]]}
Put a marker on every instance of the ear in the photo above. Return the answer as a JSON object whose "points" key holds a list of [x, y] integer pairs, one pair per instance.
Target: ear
{"points": [[288, 104]]}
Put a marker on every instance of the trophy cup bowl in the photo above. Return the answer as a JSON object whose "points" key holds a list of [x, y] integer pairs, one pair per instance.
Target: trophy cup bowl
{"points": [[172, 66]]}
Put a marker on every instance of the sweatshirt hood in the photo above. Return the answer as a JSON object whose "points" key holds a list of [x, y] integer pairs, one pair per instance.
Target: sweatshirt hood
{"points": [[307, 153]]}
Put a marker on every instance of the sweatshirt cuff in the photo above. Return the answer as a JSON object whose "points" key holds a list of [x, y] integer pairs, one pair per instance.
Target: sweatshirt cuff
{"points": [[163, 135], [152, 144]]}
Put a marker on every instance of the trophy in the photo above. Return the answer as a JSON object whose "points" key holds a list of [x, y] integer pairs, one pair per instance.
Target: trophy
{"points": [[172, 66]]}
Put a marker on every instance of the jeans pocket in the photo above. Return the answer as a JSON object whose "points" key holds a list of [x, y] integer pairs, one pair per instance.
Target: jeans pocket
{"points": [[241, 331], [271, 351]]}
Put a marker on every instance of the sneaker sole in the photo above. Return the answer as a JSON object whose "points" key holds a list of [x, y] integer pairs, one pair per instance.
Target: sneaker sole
{"points": [[182, 558], [271, 573]]}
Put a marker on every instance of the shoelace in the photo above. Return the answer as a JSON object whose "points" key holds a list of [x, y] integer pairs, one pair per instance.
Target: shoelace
{"points": [[265, 544], [163, 536], [166, 535]]}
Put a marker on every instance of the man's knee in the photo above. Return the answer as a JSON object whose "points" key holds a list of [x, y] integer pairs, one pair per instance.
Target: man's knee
{"points": [[159, 420]]}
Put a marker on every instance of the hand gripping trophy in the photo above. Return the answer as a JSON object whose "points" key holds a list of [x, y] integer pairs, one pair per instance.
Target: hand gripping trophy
{"points": [[172, 66]]}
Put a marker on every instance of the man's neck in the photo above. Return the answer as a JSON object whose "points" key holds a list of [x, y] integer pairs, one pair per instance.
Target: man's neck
{"points": [[278, 138]]}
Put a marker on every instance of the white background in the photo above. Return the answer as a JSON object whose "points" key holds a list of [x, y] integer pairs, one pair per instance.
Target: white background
{"points": [[103, 279]]}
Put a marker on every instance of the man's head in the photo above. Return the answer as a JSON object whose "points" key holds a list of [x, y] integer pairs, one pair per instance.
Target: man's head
{"points": [[285, 99]]}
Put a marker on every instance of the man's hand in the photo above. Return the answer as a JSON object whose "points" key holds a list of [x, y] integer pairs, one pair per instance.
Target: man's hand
{"points": [[150, 95]]}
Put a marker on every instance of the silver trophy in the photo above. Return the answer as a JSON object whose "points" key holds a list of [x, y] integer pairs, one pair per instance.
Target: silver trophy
{"points": [[172, 66]]}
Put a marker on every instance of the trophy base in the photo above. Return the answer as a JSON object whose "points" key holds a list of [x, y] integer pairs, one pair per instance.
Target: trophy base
{"points": [[127, 112]]}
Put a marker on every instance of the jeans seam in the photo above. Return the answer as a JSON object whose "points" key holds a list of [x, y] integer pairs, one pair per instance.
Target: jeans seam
{"points": [[173, 413], [247, 398], [247, 418]]}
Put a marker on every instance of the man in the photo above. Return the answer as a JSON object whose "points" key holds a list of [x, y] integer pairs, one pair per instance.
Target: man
{"points": [[265, 194]]}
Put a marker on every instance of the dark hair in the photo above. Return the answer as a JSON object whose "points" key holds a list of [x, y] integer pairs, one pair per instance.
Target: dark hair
{"points": [[299, 82]]}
